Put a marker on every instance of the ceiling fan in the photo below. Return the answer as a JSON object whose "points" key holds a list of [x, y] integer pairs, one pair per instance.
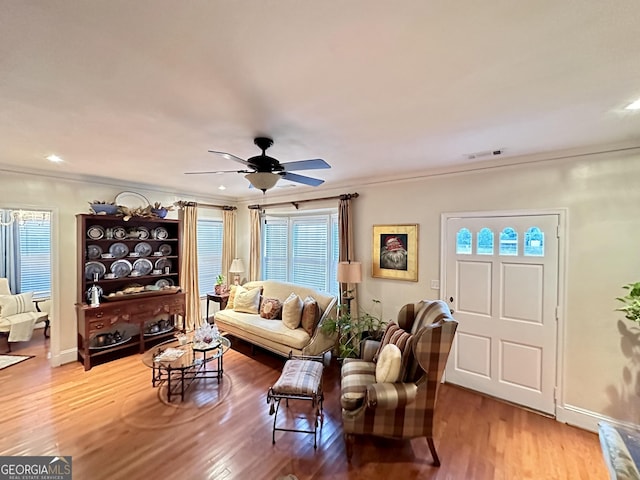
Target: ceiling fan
{"points": [[263, 172]]}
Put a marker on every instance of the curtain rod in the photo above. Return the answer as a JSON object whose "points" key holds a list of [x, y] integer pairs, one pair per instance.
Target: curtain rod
{"points": [[344, 196], [181, 204]]}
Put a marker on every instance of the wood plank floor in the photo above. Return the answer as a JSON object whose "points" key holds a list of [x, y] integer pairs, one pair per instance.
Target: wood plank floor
{"points": [[114, 425]]}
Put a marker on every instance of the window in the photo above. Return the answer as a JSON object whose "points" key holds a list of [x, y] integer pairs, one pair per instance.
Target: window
{"points": [[485, 242], [534, 242], [463, 242], [35, 254], [209, 234], [508, 242], [302, 249], [31, 249]]}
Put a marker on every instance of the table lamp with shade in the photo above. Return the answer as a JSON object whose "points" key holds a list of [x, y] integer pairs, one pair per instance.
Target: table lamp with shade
{"points": [[237, 267], [349, 272]]}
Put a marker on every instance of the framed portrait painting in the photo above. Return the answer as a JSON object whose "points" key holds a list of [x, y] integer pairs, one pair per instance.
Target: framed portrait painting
{"points": [[395, 252]]}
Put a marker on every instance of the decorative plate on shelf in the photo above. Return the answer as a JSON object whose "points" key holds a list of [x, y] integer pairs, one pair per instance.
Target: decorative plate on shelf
{"points": [[143, 248], [162, 263], [165, 249], [160, 233], [143, 266], [119, 233], [93, 252], [95, 232], [119, 250], [132, 200], [121, 268], [143, 233], [91, 268], [164, 282]]}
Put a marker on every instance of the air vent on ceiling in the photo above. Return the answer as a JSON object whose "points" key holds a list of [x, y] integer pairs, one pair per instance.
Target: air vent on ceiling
{"points": [[484, 154]]}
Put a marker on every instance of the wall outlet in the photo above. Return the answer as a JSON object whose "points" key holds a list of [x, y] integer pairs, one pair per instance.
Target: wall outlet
{"points": [[435, 284]]}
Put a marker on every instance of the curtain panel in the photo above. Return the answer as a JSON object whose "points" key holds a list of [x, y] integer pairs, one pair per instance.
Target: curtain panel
{"points": [[346, 248], [255, 256], [189, 266], [10, 250], [228, 241]]}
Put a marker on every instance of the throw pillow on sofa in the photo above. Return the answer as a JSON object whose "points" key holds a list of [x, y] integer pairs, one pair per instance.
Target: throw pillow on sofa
{"points": [[232, 297], [310, 315], [389, 364], [271, 308], [247, 301], [292, 311], [15, 304]]}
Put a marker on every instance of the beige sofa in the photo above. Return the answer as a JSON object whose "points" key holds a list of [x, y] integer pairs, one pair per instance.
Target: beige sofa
{"points": [[19, 315], [273, 335]]}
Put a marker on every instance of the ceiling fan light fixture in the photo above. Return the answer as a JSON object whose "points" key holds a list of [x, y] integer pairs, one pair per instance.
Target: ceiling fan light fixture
{"points": [[263, 180]]}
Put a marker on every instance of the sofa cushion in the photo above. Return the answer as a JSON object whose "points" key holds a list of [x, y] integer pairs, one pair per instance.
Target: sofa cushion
{"points": [[15, 304], [247, 301], [272, 330], [310, 315], [292, 311], [271, 308], [389, 364], [356, 376], [395, 335]]}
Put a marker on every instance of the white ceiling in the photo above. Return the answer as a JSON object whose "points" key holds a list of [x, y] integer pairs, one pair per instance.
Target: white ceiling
{"points": [[140, 90]]}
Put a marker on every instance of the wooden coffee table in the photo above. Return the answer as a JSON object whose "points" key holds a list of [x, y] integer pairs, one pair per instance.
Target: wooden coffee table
{"points": [[180, 364]]}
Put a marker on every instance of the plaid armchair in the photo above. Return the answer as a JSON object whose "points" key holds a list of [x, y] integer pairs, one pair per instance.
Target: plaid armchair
{"points": [[403, 409]]}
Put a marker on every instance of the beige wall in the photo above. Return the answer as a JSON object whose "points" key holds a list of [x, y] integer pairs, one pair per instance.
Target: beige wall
{"points": [[601, 193], [602, 197]]}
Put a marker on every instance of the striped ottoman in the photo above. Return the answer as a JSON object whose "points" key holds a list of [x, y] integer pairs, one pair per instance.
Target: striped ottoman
{"points": [[301, 379]]}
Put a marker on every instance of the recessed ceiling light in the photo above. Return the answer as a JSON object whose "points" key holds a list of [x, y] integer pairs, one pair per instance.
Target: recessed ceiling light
{"points": [[54, 158], [222, 187], [634, 105]]}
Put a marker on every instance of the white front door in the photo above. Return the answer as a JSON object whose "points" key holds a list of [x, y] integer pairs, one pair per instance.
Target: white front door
{"points": [[501, 281]]}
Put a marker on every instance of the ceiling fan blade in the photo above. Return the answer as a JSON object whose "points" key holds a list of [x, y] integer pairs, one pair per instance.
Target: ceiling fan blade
{"points": [[230, 156], [218, 172], [294, 177], [311, 164]]}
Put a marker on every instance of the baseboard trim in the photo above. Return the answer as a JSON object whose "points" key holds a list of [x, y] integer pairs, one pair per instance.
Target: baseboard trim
{"points": [[65, 356], [581, 418]]}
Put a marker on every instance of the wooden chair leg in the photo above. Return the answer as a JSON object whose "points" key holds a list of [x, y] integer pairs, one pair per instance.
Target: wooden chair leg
{"points": [[349, 440], [47, 323], [6, 335], [434, 454]]}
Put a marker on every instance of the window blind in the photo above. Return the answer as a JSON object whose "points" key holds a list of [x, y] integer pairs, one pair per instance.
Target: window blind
{"points": [[209, 233], [35, 254], [302, 249]]}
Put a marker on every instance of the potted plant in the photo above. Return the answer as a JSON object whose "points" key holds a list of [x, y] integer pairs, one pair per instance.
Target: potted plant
{"points": [[219, 285], [631, 300], [353, 330]]}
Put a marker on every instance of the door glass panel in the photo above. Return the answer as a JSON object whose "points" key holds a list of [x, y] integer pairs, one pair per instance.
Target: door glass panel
{"points": [[534, 242], [463, 242], [485, 242], [508, 242]]}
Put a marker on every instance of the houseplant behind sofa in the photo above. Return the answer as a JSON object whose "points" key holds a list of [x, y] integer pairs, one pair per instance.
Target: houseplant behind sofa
{"points": [[274, 335]]}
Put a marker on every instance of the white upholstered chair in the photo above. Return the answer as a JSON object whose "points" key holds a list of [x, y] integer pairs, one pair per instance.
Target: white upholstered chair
{"points": [[19, 315]]}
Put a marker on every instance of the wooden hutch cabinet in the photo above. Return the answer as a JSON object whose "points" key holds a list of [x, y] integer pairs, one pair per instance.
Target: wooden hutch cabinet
{"points": [[135, 266]]}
